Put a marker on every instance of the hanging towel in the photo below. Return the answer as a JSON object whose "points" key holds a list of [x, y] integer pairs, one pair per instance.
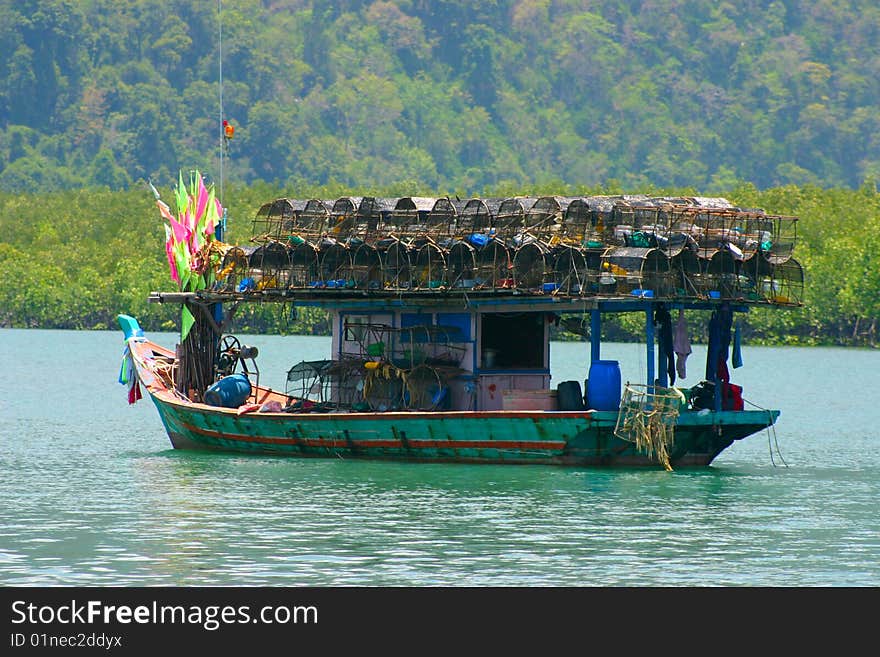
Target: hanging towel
{"points": [[737, 349], [681, 344]]}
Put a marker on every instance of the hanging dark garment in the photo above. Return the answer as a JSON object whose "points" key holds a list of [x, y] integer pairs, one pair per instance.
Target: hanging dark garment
{"points": [[725, 318], [713, 352], [736, 357], [719, 344], [663, 320], [681, 343]]}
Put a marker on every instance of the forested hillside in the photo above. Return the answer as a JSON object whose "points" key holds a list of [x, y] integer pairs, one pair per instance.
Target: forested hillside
{"points": [[770, 104], [441, 96]]}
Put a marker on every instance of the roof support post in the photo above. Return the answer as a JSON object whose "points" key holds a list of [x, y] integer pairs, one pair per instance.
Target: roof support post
{"points": [[649, 344], [595, 334]]}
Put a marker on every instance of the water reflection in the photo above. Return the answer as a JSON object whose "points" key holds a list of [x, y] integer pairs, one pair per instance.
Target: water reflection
{"points": [[94, 496]]}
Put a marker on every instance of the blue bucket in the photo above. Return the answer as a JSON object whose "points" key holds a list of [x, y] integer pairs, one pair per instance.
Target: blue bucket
{"points": [[603, 389], [230, 391]]}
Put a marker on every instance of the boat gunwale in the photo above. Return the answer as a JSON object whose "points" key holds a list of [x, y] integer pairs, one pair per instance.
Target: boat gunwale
{"points": [[165, 395]]}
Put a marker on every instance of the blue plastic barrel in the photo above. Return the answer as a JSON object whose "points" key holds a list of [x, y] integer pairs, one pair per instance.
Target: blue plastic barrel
{"points": [[603, 389], [230, 391]]}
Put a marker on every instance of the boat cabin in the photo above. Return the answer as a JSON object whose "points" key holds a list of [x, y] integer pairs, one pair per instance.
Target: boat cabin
{"points": [[477, 359]]}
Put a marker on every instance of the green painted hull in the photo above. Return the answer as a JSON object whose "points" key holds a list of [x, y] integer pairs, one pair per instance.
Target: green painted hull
{"points": [[550, 437], [578, 438]]}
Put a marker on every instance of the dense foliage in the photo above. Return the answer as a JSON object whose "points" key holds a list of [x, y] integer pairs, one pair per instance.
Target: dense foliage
{"points": [[75, 259], [441, 96], [433, 97]]}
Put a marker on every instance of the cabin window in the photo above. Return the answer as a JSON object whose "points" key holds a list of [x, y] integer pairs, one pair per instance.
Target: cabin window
{"points": [[358, 328], [416, 319], [512, 340], [457, 325]]}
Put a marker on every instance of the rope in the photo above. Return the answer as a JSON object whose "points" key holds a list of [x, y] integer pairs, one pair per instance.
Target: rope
{"points": [[771, 434]]}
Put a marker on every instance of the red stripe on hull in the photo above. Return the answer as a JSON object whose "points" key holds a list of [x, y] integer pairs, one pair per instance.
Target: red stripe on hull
{"points": [[409, 443]]}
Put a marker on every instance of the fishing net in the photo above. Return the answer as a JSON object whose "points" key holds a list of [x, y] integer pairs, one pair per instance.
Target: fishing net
{"points": [[384, 387], [647, 418]]}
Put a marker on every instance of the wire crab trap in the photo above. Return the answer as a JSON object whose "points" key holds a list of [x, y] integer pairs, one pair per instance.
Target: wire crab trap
{"points": [[647, 418], [270, 266], [602, 209], [234, 269], [531, 267], [384, 388], [429, 270], [425, 344], [304, 265], [461, 265], [409, 218], [334, 264], [325, 385], [494, 267], [425, 389], [373, 340], [371, 217], [782, 240], [742, 233], [650, 226], [713, 227], [409, 346], [314, 220], [477, 216], [442, 219], [570, 271], [510, 218], [681, 232], [781, 283], [308, 384], [636, 271], [726, 276], [543, 218], [689, 274], [343, 217], [276, 219], [578, 224], [396, 265], [347, 379], [642, 214], [622, 220], [366, 267], [673, 241]]}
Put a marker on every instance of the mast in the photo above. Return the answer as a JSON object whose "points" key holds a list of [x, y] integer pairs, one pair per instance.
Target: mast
{"points": [[222, 225], [220, 228]]}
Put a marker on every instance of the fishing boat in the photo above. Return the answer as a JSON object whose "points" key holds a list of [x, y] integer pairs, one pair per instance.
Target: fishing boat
{"points": [[441, 313]]}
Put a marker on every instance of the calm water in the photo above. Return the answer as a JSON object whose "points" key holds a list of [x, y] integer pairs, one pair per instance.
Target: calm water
{"points": [[92, 493]]}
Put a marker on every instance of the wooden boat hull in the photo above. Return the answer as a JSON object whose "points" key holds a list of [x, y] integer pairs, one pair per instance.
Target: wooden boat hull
{"points": [[578, 438]]}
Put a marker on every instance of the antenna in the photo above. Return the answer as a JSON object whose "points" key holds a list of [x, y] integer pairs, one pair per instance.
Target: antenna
{"points": [[220, 230], [220, 57]]}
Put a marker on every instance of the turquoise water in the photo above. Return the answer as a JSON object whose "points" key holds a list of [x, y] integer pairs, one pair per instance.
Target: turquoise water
{"points": [[92, 494]]}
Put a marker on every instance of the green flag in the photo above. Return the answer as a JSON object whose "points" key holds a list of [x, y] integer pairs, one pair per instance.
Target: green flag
{"points": [[186, 322]]}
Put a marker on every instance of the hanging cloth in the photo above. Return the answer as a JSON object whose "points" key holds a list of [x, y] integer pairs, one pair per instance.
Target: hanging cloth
{"points": [[714, 349], [128, 376], [719, 345], [737, 358], [725, 321], [663, 319], [681, 344]]}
